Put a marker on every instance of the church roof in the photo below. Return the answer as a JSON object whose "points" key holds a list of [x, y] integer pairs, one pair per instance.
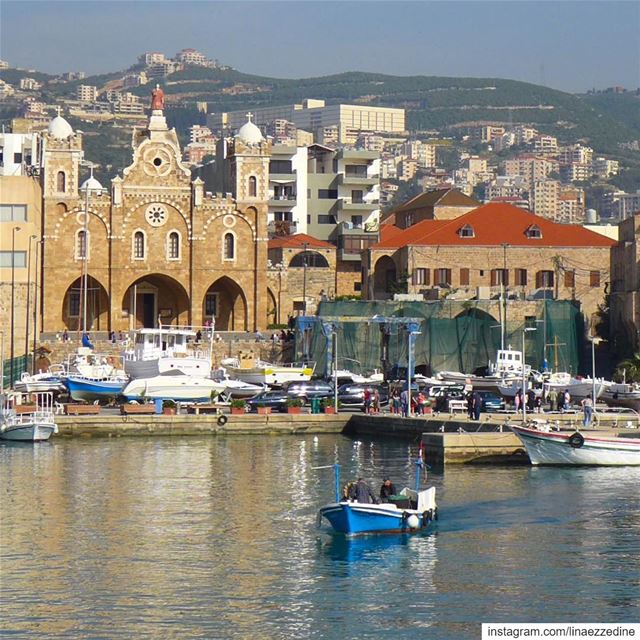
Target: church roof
{"points": [[492, 224], [249, 133]]}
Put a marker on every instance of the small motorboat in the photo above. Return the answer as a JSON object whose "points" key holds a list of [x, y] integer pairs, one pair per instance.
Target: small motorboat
{"points": [[578, 388], [236, 388], [40, 382], [86, 389], [173, 385], [546, 446], [413, 510], [250, 369], [27, 417]]}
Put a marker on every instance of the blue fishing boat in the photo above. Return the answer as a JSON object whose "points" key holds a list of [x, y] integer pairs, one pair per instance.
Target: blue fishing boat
{"points": [[410, 511], [90, 389]]}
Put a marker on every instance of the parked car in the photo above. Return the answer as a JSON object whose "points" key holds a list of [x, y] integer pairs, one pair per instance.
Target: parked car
{"points": [[277, 400], [491, 401], [307, 389], [352, 395]]}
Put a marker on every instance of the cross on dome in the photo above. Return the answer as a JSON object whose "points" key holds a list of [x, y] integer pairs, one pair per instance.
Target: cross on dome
{"points": [[59, 110], [249, 116]]}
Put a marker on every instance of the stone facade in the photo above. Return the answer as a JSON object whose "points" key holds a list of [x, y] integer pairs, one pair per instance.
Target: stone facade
{"points": [[158, 248], [624, 300]]}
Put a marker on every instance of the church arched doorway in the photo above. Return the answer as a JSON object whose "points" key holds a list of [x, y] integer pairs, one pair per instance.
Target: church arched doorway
{"points": [[225, 305], [384, 278], [97, 306], [156, 299]]}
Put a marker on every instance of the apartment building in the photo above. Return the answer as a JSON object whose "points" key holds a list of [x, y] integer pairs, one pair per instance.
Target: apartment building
{"points": [[571, 208], [193, 57], [575, 172], [30, 84], [575, 153], [151, 57], [340, 123], [618, 205], [87, 93], [605, 168], [544, 198], [545, 144], [531, 167], [506, 187]]}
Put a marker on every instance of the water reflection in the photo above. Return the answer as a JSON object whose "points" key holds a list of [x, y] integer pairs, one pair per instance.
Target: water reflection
{"points": [[216, 538]]}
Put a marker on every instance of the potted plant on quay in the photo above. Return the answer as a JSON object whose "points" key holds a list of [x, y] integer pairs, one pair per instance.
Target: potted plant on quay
{"points": [[294, 405], [263, 410], [169, 408], [328, 406], [238, 406]]}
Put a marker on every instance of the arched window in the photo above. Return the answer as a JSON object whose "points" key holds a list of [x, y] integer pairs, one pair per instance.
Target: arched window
{"points": [[253, 187], [138, 245], [61, 182], [82, 244], [309, 259], [173, 246], [229, 247]]}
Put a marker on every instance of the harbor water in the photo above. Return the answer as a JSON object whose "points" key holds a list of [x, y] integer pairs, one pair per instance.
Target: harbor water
{"points": [[217, 538]]}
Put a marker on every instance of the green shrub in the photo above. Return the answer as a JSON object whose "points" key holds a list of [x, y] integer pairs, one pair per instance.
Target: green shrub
{"points": [[294, 402], [238, 403]]}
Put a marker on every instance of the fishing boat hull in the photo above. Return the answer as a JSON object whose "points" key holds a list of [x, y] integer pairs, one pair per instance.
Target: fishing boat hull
{"points": [[555, 448], [353, 518], [88, 390], [621, 395], [173, 387], [29, 432]]}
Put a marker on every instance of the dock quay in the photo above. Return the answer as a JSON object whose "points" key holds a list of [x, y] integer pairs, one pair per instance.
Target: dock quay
{"points": [[447, 439]]}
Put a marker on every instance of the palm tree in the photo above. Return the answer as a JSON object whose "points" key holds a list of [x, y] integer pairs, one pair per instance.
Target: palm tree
{"points": [[629, 369]]}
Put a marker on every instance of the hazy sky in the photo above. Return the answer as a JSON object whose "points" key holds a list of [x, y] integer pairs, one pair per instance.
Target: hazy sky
{"points": [[566, 45]]}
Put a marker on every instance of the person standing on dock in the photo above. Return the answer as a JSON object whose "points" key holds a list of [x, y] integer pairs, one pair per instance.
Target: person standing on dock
{"points": [[553, 400], [404, 403], [587, 408]]}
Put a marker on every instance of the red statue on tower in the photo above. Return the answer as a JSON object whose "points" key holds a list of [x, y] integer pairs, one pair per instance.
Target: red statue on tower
{"points": [[157, 99]]}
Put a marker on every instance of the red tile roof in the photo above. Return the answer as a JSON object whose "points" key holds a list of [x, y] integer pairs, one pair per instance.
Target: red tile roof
{"points": [[298, 241], [493, 224]]}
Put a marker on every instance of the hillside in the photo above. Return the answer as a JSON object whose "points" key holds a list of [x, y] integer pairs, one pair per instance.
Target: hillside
{"points": [[441, 103]]}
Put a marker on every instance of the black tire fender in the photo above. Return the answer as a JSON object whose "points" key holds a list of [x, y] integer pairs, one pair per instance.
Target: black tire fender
{"points": [[576, 440], [222, 420]]}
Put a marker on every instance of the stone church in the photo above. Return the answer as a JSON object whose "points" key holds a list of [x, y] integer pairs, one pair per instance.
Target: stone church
{"points": [[154, 248]]}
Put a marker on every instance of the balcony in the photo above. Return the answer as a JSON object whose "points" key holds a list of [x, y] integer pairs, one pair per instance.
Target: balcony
{"points": [[278, 228], [283, 201], [358, 179], [349, 204], [353, 239], [282, 178]]}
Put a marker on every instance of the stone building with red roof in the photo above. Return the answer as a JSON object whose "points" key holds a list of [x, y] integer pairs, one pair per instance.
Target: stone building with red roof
{"points": [[491, 245]]}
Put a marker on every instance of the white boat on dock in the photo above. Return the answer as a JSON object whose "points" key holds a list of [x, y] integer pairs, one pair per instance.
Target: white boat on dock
{"points": [[173, 385], [250, 369], [622, 395], [578, 388], [169, 348], [545, 446], [27, 417]]}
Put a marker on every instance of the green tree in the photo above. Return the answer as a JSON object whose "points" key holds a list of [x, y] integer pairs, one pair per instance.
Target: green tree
{"points": [[629, 369]]}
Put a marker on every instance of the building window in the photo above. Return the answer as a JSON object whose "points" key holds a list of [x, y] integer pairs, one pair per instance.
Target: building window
{"points": [[173, 246], [326, 219], [594, 278], [357, 196], [464, 276], [534, 231], [309, 259], [13, 212], [74, 304], [61, 182], [138, 245], [356, 222], [229, 247], [499, 277], [466, 231], [357, 286], [253, 187], [421, 276], [544, 279], [442, 277], [211, 305], [19, 259], [17, 157], [82, 244], [570, 279], [327, 194], [521, 277]]}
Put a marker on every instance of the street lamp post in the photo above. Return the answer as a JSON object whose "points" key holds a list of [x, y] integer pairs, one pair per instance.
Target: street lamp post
{"points": [[304, 279], [26, 331], [525, 330], [35, 308], [13, 301], [594, 340]]}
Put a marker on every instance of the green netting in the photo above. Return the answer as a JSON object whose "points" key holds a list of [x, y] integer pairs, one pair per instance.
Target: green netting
{"points": [[455, 335], [20, 365]]}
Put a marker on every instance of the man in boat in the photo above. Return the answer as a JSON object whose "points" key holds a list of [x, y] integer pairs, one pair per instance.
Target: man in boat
{"points": [[387, 489], [361, 492]]}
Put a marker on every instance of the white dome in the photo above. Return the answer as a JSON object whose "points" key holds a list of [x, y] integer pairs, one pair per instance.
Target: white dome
{"points": [[92, 184], [60, 128], [249, 133]]}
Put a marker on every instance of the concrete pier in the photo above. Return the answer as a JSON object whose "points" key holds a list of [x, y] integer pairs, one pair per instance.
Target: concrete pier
{"points": [[190, 425]]}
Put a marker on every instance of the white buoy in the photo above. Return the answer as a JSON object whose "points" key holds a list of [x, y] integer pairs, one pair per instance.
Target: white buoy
{"points": [[413, 522]]}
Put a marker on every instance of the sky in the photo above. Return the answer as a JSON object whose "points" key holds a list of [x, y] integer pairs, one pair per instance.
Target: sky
{"points": [[572, 46]]}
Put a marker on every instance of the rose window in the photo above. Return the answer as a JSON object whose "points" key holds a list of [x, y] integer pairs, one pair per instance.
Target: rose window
{"points": [[156, 215]]}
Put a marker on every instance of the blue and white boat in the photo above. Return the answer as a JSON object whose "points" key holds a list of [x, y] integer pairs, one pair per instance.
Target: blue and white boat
{"points": [[89, 389], [355, 518]]}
